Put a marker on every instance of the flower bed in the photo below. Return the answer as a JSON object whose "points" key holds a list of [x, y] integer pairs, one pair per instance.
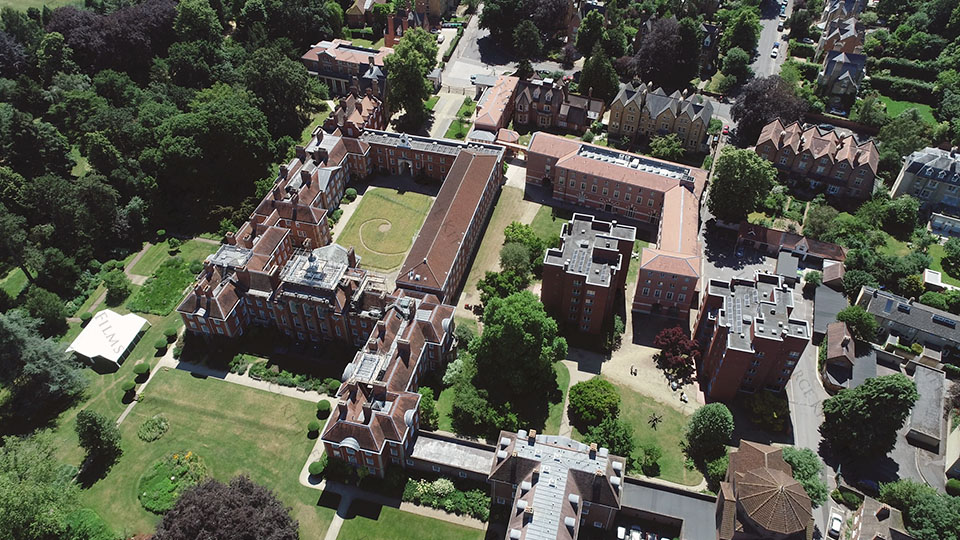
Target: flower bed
{"points": [[444, 495], [170, 476]]}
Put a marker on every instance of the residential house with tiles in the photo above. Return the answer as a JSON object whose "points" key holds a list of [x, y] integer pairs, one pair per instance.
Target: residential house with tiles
{"points": [[760, 498], [751, 339], [547, 103], [660, 194], [844, 35], [360, 14], [337, 62], [932, 176], [584, 276], [840, 165], [495, 105], [357, 113], [841, 76], [811, 252], [639, 110], [841, 9]]}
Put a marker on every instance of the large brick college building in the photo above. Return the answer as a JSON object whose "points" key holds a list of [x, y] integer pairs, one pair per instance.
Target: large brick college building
{"points": [[646, 190]]}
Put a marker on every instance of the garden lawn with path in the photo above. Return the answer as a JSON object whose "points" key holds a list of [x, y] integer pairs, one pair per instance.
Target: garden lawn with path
{"points": [[157, 254], [936, 254], [458, 129], [383, 226], [399, 525], [635, 410], [234, 429], [161, 293]]}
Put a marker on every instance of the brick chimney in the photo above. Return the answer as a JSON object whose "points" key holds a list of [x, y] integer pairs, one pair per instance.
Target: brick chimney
{"points": [[352, 257], [301, 153], [284, 171]]}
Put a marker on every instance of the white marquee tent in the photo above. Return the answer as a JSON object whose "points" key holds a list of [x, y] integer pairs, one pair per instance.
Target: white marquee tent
{"points": [[108, 335]]}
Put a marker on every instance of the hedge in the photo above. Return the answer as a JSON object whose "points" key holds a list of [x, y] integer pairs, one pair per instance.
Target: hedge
{"points": [[847, 498], [904, 89], [85, 317], [453, 45], [362, 33], [443, 494], [952, 371], [801, 50], [170, 334], [128, 386], [953, 487], [901, 67]]}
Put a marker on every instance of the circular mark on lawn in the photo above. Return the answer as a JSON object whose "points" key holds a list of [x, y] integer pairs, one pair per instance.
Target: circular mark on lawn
{"points": [[384, 227]]}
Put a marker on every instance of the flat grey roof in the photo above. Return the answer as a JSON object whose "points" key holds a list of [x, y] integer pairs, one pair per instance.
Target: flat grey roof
{"points": [[697, 511], [787, 265], [230, 256], [452, 454], [826, 304], [927, 414], [426, 144], [590, 247]]}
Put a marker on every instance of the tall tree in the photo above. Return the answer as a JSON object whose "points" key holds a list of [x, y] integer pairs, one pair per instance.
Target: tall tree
{"points": [[413, 59], [598, 78], [613, 434], [35, 497], [742, 31], [808, 470], [761, 101], [862, 423], [36, 371], [741, 181], [708, 431], [590, 32], [737, 64], [100, 439], [501, 16], [928, 514], [592, 401], [549, 15], [526, 40], [283, 86], [197, 21], [240, 510], [659, 52], [678, 352]]}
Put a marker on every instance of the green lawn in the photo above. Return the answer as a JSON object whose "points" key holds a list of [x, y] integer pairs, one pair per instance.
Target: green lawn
{"points": [[24, 5], [91, 299], [316, 119], [82, 166], [235, 430], [191, 250], [895, 107], [444, 409], [431, 103], [360, 42], [635, 410], [897, 247], [382, 228], [163, 291], [555, 417], [399, 525], [14, 282], [546, 224], [936, 253], [458, 129]]}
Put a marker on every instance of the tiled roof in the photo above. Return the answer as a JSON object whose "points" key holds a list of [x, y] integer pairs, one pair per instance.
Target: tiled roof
{"points": [[494, 103], [774, 500], [345, 51]]}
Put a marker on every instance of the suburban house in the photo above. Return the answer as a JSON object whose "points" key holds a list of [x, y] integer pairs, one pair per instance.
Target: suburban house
{"points": [[355, 113], [849, 362], [841, 75], [638, 109], [360, 14], [932, 176], [841, 9], [751, 339], [583, 278], [905, 321], [761, 499], [844, 35], [548, 103], [708, 48], [638, 188], [336, 63], [772, 241], [840, 165]]}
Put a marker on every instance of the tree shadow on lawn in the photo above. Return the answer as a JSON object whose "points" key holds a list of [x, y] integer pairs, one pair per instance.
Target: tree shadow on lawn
{"points": [[745, 429]]}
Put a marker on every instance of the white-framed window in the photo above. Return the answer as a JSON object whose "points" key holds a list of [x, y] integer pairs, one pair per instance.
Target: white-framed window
{"points": [[435, 468]]}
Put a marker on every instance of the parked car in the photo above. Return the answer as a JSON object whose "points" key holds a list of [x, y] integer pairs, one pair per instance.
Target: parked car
{"points": [[780, 27], [726, 130], [838, 112], [836, 522], [807, 41], [775, 52], [776, 44], [826, 127], [783, 10]]}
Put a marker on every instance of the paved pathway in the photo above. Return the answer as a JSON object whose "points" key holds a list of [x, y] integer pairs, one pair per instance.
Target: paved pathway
{"points": [[444, 113], [128, 270]]}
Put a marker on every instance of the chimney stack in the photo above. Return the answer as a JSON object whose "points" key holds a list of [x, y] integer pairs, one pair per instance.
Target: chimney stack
{"points": [[301, 153]]}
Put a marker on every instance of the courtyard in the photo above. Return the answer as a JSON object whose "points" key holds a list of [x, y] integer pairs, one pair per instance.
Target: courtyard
{"points": [[383, 226]]}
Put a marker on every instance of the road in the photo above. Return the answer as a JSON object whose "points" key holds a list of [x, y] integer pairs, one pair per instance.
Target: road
{"points": [[477, 54], [764, 65]]}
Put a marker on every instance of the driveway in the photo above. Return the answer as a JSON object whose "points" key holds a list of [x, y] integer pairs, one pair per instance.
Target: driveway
{"points": [[444, 113]]}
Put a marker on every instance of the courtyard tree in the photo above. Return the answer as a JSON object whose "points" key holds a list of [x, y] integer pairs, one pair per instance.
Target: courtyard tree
{"points": [[598, 78], [414, 57], [743, 30], [429, 417], [862, 423], [613, 434], [761, 101], [808, 470], [100, 439], [591, 401], [502, 284], [241, 509], [708, 431], [678, 352], [741, 181], [668, 147], [515, 257], [861, 324], [521, 233], [927, 513]]}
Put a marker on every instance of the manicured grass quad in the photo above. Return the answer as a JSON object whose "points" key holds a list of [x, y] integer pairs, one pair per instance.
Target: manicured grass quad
{"points": [[384, 522], [383, 227]]}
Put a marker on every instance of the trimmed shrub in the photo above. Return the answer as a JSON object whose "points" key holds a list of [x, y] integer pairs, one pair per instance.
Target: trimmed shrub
{"points": [[904, 88], [160, 344], [323, 409], [170, 334], [142, 368], [85, 317], [350, 194], [174, 244], [153, 428], [953, 487], [177, 351], [168, 477], [717, 471], [313, 426], [952, 371], [331, 385], [801, 50], [128, 386], [86, 524], [161, 233], [317, 467]]}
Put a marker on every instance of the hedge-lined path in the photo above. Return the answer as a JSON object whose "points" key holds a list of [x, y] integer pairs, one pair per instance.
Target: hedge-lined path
{"points": [[135, 278]]}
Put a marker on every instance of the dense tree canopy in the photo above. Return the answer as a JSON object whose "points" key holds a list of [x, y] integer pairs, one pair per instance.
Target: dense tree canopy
{"points": [[413, 59], [591, 401], [241, 510], [808, 470], [598, 78], [708, 431], [741, 181], [928, 514], [678, 352], [862, 423], [761, 101]]}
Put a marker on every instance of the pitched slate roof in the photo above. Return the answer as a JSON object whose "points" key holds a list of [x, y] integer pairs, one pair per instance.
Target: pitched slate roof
{"points": [[888, 306]]}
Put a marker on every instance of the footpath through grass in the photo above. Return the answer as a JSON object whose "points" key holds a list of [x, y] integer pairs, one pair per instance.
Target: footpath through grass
{"points": [[555, 415], [458, 129], [383, 522], [382, 228], [234, 429]]}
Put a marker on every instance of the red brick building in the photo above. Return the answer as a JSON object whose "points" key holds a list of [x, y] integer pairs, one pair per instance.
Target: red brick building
{"points": [[752, 342], [355, 113], [583, 277], [377, 413], [841, 166], [336, 63]]}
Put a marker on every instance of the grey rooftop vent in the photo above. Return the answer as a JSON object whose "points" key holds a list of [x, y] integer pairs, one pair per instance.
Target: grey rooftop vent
{"points": [[504, 442]]}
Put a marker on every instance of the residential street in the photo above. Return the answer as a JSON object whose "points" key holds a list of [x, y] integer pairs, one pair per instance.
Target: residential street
{"points": [[769, 18]]}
